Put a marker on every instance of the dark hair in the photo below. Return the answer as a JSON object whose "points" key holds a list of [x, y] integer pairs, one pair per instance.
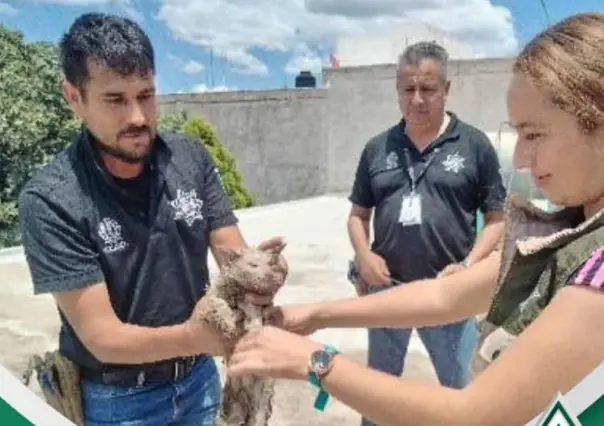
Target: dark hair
{"points": [[112, 41]]}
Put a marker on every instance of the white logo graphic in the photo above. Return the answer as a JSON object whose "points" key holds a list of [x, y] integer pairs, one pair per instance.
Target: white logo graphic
{"points": [[111, 233], [187, 206], [454, 162], [391, 161]]}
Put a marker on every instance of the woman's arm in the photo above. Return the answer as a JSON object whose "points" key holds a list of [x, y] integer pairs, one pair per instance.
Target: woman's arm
{"points": [[555, 353], [562, 346], [422, 303]]}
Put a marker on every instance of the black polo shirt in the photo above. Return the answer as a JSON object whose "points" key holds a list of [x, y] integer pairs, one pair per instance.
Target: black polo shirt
{"points": [[462, 176], [80, 227]]}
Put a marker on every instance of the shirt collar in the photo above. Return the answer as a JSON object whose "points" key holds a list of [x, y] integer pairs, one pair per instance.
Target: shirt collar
{"points": [[452, 132]]}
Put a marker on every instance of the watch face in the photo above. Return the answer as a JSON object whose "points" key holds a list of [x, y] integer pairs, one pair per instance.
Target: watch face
{"points": [[320, 361]]}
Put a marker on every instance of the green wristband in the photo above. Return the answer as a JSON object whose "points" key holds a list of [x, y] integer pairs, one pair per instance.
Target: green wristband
{"points": [[323, 396]]}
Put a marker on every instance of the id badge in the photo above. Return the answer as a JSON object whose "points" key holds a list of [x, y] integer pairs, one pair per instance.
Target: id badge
{"points": [[411, 210]]}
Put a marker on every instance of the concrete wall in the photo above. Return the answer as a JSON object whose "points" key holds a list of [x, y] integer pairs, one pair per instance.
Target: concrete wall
{"points": [[277, 137], [292, 144]]}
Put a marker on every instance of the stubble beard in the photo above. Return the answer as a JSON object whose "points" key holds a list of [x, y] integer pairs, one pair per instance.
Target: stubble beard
{"points": [[128, 157]]}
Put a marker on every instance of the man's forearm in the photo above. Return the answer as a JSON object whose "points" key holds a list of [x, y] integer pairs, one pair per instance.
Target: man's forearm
{"points": [[358, 231], [133, 344], [421, 303], [226, 238]]}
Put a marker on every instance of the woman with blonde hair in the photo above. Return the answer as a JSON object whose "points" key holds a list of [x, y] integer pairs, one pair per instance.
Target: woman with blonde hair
{"points": [[543, 291]]}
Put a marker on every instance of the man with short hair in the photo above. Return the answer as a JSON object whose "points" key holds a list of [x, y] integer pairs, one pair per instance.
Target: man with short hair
{"points": [[424, 180], [117, 228]]}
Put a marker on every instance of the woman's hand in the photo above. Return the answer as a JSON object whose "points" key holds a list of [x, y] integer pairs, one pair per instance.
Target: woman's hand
{"points": [[272, 352], [300, 319]]}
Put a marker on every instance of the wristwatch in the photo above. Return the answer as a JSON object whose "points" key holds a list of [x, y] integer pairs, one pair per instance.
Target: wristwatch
{"points": [[319, 365]]}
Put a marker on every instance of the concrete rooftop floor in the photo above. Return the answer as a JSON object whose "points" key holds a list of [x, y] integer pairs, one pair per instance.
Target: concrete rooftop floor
{"points": [[317, 252]]}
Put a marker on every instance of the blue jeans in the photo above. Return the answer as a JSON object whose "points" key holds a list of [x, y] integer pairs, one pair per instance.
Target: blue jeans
{"points": [[195, 400], [450, 348]]}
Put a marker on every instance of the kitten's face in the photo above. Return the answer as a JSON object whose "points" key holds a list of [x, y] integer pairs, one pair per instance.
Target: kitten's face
{"points": [[257, 270]]}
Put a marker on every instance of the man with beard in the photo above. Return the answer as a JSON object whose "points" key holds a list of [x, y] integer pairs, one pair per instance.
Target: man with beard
{"points": [[117, 228], [424, 178]]}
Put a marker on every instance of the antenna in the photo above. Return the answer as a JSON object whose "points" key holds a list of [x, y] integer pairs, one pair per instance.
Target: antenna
{"points": [[211, 67], [545, 10]]}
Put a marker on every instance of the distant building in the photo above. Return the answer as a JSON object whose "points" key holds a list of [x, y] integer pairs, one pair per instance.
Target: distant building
{"points": [[384, 48]]}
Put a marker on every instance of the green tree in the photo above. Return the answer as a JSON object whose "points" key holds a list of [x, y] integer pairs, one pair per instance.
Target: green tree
{"points": [[200, 129], [172, 121], [35, 121]]}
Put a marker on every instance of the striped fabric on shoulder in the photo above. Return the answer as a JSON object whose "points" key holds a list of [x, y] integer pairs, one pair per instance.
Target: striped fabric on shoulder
{"points": [[592, 272]]}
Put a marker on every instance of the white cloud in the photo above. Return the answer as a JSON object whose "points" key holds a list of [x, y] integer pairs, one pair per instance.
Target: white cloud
{"points": [[304, 62], [200, 88], [7, 9], [193, 67], [371, 9], [80, 2], [126, 5], [233, 28], [244, 62], [188, 67], [304, 59]]}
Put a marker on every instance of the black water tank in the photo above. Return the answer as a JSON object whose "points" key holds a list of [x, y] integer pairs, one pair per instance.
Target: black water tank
{"points": [[306, 79]]}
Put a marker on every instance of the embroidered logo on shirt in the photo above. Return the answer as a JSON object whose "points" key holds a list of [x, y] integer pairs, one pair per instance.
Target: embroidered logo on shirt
{"points": [[187, 206], [392, 161], [111, 233], [454, 163]]}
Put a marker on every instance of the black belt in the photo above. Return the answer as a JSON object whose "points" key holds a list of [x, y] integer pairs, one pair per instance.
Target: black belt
{"points": [[168, 371]]}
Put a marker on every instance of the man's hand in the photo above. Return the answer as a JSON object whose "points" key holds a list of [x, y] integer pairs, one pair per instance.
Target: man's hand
{"points": [[212, 324], [361, 286], [372, 269]]}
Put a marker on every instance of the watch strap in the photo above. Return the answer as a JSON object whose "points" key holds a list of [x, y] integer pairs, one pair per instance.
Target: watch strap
{"points": [[323, 396]]}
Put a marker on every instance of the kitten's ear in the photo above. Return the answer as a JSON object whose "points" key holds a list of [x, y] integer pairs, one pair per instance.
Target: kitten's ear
{"points": [[275, 253], [274, 259], [276, 250], [274, 244], [228, 254]]}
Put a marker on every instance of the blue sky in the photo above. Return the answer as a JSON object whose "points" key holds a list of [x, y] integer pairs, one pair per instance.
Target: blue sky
{"points": [[264, 43]]}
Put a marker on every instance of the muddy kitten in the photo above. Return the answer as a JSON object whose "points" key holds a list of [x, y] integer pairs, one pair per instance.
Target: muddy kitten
{"points": [[246, 401]]}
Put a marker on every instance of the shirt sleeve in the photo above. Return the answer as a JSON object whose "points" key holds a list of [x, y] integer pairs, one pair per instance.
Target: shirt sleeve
{"points": [[59, 255], [362, 194], [591, 273], [492, 192], [217, 204]]}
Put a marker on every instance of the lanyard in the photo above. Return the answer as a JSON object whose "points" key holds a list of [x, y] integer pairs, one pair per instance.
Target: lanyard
{"points": [[411, 171]]}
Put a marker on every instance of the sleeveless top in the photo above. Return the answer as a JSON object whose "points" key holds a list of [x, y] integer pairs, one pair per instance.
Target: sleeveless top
{"points": [[542, 252]]}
